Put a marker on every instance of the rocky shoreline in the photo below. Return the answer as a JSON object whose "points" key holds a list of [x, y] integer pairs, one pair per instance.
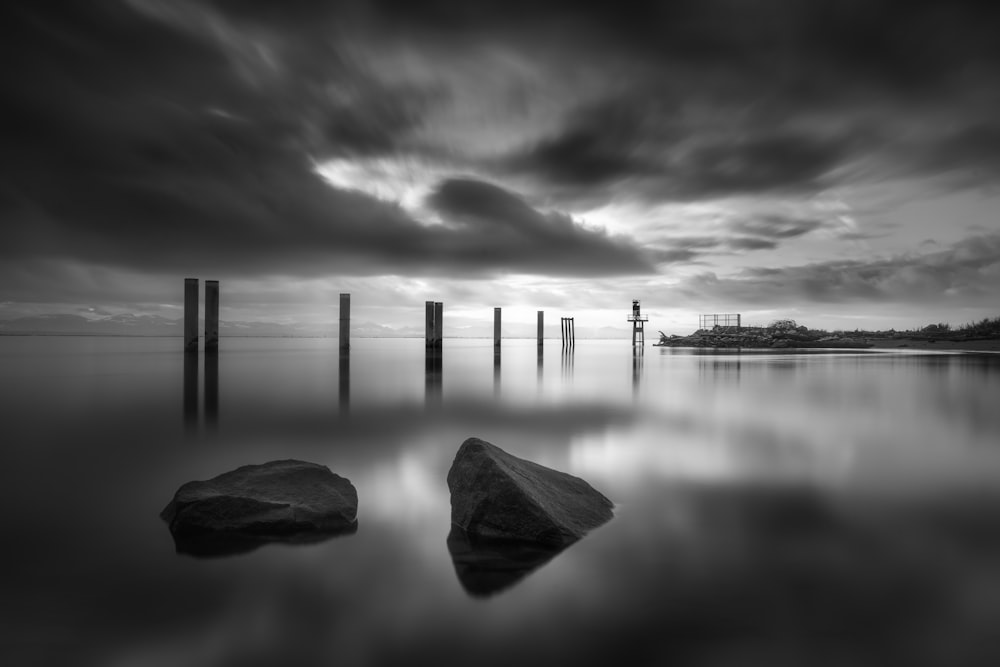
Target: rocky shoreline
{"points": [[801, 337], [760, 338]]}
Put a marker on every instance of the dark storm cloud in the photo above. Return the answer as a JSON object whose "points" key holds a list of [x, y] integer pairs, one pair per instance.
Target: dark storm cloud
{"points": [[749, 233], [172, 136], [170, 139], [598, 146], [733, 98], [658, 156], [968, 270], [503, 224]]}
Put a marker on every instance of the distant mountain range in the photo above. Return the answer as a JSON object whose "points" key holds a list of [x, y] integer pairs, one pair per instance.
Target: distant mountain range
{"points": [[155, 325]]}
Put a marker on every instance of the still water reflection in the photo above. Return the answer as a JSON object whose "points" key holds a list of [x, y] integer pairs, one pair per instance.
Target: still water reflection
{"points": [[771, 508]]}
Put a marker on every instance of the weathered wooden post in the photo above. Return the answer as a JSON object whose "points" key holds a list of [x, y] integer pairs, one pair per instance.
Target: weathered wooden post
{"points": [[433, 334], [345, 322], [429, 324], [438, 325], [190, 314], [541, 327], [568, 332], [211, 316], [496, 328]]}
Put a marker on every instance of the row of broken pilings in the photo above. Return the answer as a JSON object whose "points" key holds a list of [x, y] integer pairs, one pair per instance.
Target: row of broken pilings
{"points": [[509, 516], [433, 321]]}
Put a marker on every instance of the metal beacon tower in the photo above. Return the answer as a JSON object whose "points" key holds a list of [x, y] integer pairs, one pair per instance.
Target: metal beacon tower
{"points": [[637, 319]]}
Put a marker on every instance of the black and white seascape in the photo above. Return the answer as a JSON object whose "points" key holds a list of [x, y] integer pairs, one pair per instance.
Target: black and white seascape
{"points": [[371, 332]]}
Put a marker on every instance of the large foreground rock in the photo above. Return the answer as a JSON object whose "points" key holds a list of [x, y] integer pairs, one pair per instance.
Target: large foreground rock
{"points": [[291, 501], [496, 496]]}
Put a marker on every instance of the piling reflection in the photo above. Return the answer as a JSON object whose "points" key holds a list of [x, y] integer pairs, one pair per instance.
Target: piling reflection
{"points": [[567, 361], [486, 567], [433, 376], [344, 381], [212, 390], [496, 372], [190, 392]]}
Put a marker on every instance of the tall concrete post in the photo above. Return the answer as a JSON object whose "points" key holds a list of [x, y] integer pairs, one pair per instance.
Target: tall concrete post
{"points": [[541, 327], [438, 324], [496, 327], [211, 316], [190, 314], [345, 322], [429, 324]]}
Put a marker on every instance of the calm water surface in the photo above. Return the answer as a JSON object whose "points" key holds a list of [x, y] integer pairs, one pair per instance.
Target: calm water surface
{"points": [[771, 509]]}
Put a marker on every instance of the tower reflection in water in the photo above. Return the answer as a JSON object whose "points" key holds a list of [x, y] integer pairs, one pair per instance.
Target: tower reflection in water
{"points": [[637, 361]]}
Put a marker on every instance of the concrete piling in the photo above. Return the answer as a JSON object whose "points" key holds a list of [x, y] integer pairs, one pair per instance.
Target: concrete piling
{"points": [[429, 324], [191, 315], [211, 316], [438, 325], [345, 322]]}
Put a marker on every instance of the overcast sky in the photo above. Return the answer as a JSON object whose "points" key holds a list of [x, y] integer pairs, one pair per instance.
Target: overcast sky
{"points": [[833, 162]]}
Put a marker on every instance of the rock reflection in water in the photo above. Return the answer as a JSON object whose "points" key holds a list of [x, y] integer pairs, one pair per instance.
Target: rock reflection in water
{"points": [[221, 544], [487, 567]]}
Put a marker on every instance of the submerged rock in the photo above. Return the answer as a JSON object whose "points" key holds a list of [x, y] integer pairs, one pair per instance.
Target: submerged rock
{"points": [[286, 501], [496, 496]]}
